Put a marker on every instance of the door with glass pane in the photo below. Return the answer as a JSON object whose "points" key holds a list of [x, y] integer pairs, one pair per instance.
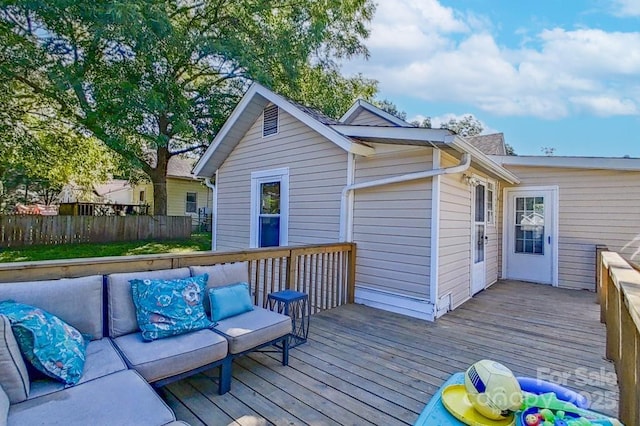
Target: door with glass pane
{"points": [[478, 272], [269, 215], [530, 235]]}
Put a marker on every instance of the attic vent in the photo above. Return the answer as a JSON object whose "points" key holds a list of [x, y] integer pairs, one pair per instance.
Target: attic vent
{"points": [[270, 121]]}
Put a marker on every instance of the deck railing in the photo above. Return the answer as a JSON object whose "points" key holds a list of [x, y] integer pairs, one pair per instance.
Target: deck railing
{"points": [[325, 272], [619, 296]]}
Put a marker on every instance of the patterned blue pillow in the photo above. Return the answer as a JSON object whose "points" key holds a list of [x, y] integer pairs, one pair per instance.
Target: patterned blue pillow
{"points": [[169, 307], [52, 346]]}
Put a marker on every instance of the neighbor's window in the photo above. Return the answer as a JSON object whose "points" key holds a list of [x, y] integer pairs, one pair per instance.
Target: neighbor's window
{"points": [[192, 202], [270, 209], [491, 203], [142, 197], [270, 120]]}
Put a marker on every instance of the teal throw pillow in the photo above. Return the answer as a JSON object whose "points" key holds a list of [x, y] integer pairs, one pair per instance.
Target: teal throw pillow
{"points": [[51, 345], [170, 307], [229, 300]]}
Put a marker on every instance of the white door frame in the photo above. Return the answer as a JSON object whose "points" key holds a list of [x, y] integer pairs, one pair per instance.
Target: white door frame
{"points": [[481, 181], [555, 203]]}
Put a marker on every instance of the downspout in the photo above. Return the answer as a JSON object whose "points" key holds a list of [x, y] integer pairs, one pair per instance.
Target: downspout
{"points": [[214, 210], [346, 210]]}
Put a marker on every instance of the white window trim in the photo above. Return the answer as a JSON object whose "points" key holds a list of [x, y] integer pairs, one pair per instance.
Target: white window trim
{"points": [[264, 176], [277, 121]]}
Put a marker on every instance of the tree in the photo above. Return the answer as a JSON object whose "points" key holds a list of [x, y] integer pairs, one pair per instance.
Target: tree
{"points": [[466, 126], [152, 79], [388, 106]]}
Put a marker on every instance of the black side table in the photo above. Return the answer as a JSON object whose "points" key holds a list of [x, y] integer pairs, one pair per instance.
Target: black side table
{"points": [[296, 305]]}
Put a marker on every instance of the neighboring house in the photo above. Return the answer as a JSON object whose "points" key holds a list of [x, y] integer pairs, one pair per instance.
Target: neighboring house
{"points": [[186, 195], [436, 219]]}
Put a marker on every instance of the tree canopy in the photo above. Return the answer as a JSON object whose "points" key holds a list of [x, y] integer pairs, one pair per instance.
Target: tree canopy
{"points": [[151, 79]]}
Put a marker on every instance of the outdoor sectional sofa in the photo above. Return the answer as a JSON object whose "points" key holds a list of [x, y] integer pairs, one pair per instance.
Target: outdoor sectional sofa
{"points": [[120, 366]]}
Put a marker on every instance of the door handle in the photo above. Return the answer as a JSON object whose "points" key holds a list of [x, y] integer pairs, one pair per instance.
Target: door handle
{"points": [[549, 239]]}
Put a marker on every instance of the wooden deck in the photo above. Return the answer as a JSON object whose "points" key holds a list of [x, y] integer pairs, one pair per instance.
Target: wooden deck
{"points": [[366, 366]]}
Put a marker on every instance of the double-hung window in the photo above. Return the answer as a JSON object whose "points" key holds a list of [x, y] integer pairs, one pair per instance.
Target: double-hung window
{"points": [[192, 202], [270, 208]]}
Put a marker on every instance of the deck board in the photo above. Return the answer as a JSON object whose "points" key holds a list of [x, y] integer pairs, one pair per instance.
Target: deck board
{"points": [[366, 366]]}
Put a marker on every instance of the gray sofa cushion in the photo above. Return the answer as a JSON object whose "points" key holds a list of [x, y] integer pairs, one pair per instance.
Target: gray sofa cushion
{"points": [[76, 301], [102, 359], [14, 377], [159, 359], [122, 398], [253, 328], [121, 310], [4, 407], [223, 274]]}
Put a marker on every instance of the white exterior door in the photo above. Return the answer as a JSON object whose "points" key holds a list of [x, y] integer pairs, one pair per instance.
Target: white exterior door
{"points": [[531, 235], [478, 239]]}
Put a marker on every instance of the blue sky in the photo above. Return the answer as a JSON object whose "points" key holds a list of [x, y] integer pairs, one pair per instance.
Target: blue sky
{"points": [[547, 73]]}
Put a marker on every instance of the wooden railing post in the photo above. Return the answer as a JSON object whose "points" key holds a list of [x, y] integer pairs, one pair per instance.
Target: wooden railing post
{"points": [[292, 263], [613, 320], [628, 371], [601, 289], [351, 285]]}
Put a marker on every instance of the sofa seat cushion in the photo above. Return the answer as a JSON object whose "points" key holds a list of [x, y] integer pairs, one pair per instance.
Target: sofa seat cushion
{"points": [[4, 407], [121, 310], [253, 328], [102, 359], [159, 359], [122, 398]]}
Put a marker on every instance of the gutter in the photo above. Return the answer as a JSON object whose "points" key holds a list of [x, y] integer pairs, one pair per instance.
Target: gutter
{"points": [[346, 210], [214, 210]]}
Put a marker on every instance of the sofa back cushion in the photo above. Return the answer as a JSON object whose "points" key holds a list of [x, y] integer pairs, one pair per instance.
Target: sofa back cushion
{"points": [[76, 301], [121, 311], [221, 275], [14, 378]]}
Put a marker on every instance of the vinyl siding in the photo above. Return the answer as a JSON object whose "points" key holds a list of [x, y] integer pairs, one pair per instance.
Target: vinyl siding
{"points": [[317, 174], [367, 118], [177, 196], [391, 224], [596, 207], [454, 275]]}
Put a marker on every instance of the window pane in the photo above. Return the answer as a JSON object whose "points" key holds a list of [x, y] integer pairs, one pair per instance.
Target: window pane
{"points": [[269, 232], [480, 203], [270, 198], [192, 202], [479, 257]]}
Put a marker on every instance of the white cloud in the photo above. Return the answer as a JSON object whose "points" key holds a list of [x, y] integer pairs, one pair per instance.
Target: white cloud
{"points": [[425, 50], [626, 7]]}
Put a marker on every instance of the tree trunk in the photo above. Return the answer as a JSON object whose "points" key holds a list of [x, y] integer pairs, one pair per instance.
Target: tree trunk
{"points": [[158, 177]]}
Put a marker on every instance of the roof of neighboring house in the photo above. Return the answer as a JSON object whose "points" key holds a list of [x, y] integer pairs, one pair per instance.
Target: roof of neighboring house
{"points": [[492, 144], [109, 187], [181, 167], [353, 139], [318, 115], [361, 104]]}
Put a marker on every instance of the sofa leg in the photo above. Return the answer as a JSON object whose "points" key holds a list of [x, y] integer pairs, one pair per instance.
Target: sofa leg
{"points": [[224, 384], [285, 351]]}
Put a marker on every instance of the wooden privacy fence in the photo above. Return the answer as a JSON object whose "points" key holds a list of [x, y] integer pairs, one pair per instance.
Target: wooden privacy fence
{"points": [[619, 297], [325, 272], [19, 231]]}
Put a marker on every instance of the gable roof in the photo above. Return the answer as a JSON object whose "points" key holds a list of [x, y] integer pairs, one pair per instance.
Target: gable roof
{"points": [[180, 168], [247, 112], [492, 144], [361, 104]]}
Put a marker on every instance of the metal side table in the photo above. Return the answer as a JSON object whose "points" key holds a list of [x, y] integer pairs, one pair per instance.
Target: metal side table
{"points": [[296, 305]]}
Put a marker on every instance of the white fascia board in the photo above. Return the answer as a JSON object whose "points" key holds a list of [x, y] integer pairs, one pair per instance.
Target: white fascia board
{"points": [[459, 144], [362, 104], [602, 163], [398, 133]]}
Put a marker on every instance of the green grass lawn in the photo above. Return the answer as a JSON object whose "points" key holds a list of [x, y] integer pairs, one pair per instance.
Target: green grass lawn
{"points": [[197, 242]]}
